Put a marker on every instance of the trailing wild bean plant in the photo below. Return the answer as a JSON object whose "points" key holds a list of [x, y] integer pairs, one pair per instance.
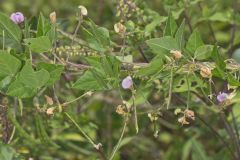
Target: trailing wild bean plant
{"points": [[158, 80]]}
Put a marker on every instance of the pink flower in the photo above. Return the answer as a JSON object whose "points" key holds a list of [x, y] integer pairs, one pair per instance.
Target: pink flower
{"points": [[222, 97], [127, 82], [17, 17]]}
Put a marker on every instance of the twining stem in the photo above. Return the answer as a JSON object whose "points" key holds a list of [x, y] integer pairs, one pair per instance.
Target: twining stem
{"points": [[76, 99], [20, 103], [77, 28], [96, 146], [170, 88], [135, 111], [3, 43], [81, 130], [218, 135], [119, 141], [188, 94]]}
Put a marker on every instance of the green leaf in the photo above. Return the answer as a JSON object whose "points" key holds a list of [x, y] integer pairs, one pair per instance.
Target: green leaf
{"points": [[11, 29], [97, 37], [221, 17], [28, 82], [180, 35], [9, 65], [166, 43], [38, 45], [203, 52], [102, 76], [171, 26], [33, 79], [220, 64], [232, 80], [198, 152], [194, 42], [152, 68], [54, 70], [186, 149], [6, 152], [20, 90], [88, 82], [43, 26], [157, 21], [5, 82], [180, 84]]}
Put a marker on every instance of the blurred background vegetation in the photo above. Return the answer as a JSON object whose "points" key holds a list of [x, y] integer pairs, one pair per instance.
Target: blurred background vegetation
{"points": [[97, 115]]}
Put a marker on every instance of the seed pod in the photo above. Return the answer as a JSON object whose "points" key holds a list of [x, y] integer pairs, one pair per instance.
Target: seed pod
{"points": [[189, 114], [53, 17], [49, 100], [120, 110], [176, 54], [205, 72], [83, 10], [50, 111], [119, 28], [183, 120]]}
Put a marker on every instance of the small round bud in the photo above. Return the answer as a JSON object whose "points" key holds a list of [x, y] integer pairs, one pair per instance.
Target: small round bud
{"points": [[205, 72], [176, 54], [83, 10], [119, 28], [53, 17]]}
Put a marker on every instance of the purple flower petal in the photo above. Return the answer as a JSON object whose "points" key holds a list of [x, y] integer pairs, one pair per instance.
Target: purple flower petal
{"points": [[127, 82], [17, 17], [222, 97]]}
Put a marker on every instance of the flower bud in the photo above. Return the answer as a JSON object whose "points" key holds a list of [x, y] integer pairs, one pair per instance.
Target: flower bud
{"points": [[205, 72], [119, 28], [127, 82], [53, 17], [83, 10], [176, 54], [17, 17]]}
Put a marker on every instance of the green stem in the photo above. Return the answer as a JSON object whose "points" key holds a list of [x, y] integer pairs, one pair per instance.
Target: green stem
{"points": [[119, 141], [81, 130], [135, 111], [3, 39], [170, 88], [188, 94], [74, 100], [20, 106]]}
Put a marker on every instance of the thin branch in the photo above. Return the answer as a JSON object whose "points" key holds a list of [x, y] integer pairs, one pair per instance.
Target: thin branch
{"points": [[142, 53], [209, 25], [77, 40], [96, 146], [119, 141], [217, 135]]}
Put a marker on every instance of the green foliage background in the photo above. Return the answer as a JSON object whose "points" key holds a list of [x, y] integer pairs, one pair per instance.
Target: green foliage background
{"points": [[40, 136]]}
